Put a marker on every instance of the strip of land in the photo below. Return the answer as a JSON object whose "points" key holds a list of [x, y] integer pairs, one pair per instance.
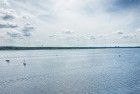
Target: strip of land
{"points": [[55, 48]]}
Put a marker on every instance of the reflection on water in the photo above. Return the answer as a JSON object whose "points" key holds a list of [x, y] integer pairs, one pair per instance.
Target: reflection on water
{"points": [[96, 71]]}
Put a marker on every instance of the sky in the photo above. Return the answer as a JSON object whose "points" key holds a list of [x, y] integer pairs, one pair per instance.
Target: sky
{"points": [[67, 23]]}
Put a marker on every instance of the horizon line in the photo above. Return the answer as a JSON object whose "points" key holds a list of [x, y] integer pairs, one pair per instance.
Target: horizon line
{"points": [[55, 48]]}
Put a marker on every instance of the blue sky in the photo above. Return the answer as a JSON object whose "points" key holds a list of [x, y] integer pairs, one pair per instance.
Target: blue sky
{"points": [[69, 22]]}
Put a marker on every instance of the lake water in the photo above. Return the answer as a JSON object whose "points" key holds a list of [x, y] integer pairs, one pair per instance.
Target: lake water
{"points": [[87, 71]]}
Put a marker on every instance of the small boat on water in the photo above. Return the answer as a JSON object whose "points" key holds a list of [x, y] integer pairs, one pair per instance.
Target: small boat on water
{"points": [[24, 64], [7, 60]]}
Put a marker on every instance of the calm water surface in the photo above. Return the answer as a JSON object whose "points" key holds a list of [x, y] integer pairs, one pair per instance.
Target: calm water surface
{"points": [[96, 71]]}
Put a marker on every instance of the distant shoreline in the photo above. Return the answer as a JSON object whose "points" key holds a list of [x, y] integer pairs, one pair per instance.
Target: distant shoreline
{"points": [[57, 48]]}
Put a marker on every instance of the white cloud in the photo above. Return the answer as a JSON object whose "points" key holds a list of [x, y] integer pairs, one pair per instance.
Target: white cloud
{"points": [[27, 30], [8, 25], [4, 3], [14, 34], [138, 30]]}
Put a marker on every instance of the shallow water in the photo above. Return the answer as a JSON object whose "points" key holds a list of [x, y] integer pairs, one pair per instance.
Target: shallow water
{"points": [[96, 71]]}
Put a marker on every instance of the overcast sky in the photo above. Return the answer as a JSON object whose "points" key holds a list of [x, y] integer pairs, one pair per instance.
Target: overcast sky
{"points": [[69, 22]]}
